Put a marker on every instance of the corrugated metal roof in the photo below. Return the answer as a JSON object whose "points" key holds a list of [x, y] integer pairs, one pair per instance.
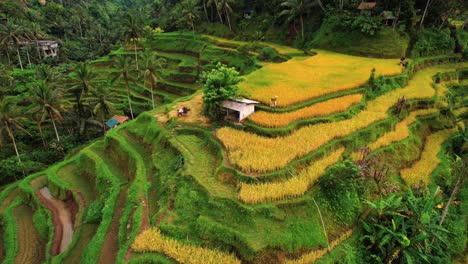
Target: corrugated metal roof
{"points": [[233, 105], [112, 122], [121, 119], [246, 101], [364, 6]]}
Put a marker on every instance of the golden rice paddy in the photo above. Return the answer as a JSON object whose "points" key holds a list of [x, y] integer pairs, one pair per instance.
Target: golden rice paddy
{"points": [[331, 106], [401, 129], [151, 240], [253, 153], [304, 78], [423, 168], [293, 187]]}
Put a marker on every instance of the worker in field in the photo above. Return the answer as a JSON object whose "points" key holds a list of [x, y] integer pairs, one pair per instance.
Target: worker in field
{"points": [[403, 62], [274, 101]]}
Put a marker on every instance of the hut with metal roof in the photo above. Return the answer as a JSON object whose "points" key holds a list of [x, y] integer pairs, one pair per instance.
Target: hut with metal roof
{"points": [[238, 109], [116, 120], [366, 7], [388, 17]]}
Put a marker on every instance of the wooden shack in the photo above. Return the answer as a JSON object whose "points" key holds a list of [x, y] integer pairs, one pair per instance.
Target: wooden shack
{"points": [[116, 121], [366, 8], [239, 109], [388, 18], [48, 48]]}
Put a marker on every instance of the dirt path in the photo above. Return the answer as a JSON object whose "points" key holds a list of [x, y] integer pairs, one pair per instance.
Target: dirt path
{"points": [[144, 226], [62, 219], [31, 248], [110, 246]]}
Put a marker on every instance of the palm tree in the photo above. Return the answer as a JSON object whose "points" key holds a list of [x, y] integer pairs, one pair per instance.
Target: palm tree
{"points": [[150, 66], [124, 71], [9, 120], [296, 8], [83, 78], [102, 98], [47, 100], [45, 73], [225, 7], [216, 4], [190, 12], [14, 33], [132, 31]]}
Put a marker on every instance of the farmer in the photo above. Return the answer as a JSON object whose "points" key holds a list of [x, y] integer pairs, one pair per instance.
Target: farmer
{"points": [[403, 62], [274, 101], [180, 112]]}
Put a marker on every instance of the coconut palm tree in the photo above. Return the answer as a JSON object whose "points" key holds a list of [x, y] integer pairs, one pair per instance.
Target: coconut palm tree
{"points": [[82, 80], [124, 72], [151, 65], [190, 12], [294, 9], [14, 33], [10, 120], [132, 31], [225, 7], [47, 100], [102, 98]]}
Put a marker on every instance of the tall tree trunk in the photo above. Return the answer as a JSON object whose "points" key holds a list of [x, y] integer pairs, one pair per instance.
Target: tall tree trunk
{"points": [[14, 142], [425, 11], [41, 134], [55, 127], [452, 197], [8, 55], [152, 91], [219, 14], [136, 56], [206, 10], [302, 28], [129, 99], [228, 19], [27, 55], [321, 5], [19, 58]]}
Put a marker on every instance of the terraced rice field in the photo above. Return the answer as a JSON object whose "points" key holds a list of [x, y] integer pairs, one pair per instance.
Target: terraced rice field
{"points": [[274, 153], [423, 168], [31, 248], [336, 105], [152, 241], [401, 129], [293, 187], [259, 211], [304, 78]]}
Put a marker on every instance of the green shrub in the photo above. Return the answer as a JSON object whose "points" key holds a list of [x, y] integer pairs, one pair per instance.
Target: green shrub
{"points": [[341, 189], [268, 54], [94, 213], [40, 222], [433, 42]]}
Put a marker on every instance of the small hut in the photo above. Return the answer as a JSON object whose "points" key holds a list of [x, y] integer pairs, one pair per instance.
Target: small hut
{"points": [[388, 18], [116, 121], [366, 8], [48, 48], [239, 109]]}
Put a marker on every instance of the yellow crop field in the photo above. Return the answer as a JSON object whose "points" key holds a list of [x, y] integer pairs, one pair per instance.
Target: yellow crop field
{"points": [[253, 153], [331, 106], [304, 78], [293, 187], [152, 241], [401, 129], [422, 169], [313, 256]]}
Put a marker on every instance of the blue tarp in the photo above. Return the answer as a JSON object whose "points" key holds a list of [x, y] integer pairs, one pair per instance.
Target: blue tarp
{"points": [[112, 123]]}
